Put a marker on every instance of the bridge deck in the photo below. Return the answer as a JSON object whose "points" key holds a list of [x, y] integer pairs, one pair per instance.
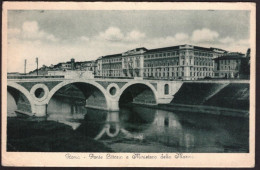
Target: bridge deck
{"points": [[127, 80]]}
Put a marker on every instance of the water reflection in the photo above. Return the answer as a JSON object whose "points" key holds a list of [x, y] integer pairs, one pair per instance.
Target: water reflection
{"points": [[131, 123], [11, 105], [139, 129]]}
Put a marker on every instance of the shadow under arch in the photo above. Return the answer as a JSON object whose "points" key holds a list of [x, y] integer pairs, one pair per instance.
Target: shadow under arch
{"points": [[84, 86], [138, 92], [14, 88]]}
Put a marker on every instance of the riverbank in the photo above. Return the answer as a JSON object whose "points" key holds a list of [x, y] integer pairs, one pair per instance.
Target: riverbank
{"points": [[199, 109], [220, 98], [206, 110], [222, 95], [29, 134]]}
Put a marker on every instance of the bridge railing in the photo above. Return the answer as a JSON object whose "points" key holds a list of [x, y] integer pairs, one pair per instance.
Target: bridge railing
{"points": [[32, 77], [108, 77]]}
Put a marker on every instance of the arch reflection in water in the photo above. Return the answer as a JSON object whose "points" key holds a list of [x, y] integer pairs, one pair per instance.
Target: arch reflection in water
{"points": [[131, 123], [169, 131], [158, 126], [111, 126], [65, 111], [11, 105]]}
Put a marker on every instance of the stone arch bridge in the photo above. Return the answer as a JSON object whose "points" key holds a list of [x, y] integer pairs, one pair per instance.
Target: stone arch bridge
{"points": [[99, 93]]}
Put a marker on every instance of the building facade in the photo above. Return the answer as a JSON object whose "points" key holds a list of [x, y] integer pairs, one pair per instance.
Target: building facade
{"points": [[185, 62], [229, 65], [182, 62], [110, 66], [133, 62], [86, 65]]}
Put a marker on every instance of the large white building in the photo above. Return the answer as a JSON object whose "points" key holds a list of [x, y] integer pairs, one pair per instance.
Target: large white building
{"points": [[185, 62]]}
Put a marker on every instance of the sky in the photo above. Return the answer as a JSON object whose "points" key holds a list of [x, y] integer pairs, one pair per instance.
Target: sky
{"points": [[58, 36]]}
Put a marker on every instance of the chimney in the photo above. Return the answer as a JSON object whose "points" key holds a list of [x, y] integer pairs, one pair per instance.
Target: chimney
{"points": [[72, 62]]}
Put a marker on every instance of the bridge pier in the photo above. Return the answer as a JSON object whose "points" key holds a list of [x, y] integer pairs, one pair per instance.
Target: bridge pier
{"points": [[40, 110], [113, 105]]}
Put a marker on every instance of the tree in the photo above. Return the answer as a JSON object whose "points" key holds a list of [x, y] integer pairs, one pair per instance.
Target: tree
{"points": [[244, 69]]}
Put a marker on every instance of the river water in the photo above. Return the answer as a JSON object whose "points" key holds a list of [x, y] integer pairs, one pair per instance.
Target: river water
{"points": [[140, 129]]}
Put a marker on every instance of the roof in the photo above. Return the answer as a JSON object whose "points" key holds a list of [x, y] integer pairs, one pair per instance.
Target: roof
{"points": [[99, 58], [141, 48], [82, 62], [164, 49], [178, 47], [112, 55], [208, 49], [231, 56]]}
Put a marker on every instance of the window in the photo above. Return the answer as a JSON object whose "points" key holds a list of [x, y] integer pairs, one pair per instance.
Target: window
{"points": [[166, 89]]}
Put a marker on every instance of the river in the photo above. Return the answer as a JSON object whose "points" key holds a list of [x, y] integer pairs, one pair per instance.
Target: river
{"points": [[133, 129]]}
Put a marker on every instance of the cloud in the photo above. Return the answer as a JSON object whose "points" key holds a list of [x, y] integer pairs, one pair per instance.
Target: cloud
{"points": [[227, 40], [30, 31], [204, 35], [110, 41], [177, 39], [13, 32], [181, 37], [114, 34], [30, 27], [51, 37], [84, 38], [111, 34], [135, 35], [243, 42]]}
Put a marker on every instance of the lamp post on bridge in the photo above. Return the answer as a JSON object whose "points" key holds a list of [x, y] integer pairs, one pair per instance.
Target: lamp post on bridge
{"points": [[25, 61], [37, 61]]}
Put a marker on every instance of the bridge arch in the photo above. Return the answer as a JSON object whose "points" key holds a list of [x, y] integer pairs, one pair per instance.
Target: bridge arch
{"points": [[64, 83], [147, 84], [25, 92]]}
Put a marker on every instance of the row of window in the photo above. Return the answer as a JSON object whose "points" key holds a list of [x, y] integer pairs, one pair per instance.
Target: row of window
{"points": [[155, 64], [232, 67], [160, 63], [113, 73], [203, 54], [162, 75], [176, 53], [177, 74], [178, 69], [202, 59], [112, 66], [112, 60], [228, 61], [203, 63], [158, 69]]}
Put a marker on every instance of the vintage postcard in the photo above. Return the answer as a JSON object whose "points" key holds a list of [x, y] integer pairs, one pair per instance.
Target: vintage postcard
{"points": [[123, 84]]}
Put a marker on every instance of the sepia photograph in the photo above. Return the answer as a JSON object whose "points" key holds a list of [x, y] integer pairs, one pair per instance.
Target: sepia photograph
{"points": [[128, 84]]}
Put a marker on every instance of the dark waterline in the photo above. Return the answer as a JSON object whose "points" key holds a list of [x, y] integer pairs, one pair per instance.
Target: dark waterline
{"points": [[132, 129]]}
